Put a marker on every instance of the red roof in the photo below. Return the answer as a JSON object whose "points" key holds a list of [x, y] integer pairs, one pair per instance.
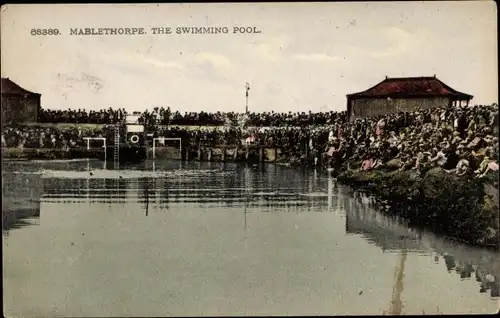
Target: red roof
{"points": [[10, 88], [411, 87]]}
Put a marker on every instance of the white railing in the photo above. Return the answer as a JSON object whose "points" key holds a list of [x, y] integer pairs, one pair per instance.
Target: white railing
{"points": [[162, 140], [97, 138]]}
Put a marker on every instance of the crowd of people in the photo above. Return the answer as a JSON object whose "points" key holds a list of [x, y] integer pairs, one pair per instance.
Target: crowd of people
{"points": [[164, 116], [82, 116], [460, 140], [158, 116], [20, 136]]}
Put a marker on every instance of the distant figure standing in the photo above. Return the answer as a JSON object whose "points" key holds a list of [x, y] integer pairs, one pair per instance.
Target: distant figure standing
{"points": [[462, 125]]}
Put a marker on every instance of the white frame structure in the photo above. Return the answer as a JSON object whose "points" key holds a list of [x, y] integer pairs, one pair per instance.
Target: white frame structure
{"points": [[162, 139], [98, 138]]}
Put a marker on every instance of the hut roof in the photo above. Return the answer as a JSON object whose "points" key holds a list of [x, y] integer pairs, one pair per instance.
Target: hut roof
{"points": [[8, 87], [410, 87]]}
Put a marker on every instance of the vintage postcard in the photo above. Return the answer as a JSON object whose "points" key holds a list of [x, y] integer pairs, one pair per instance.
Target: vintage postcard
{"points": [[250, 159]]}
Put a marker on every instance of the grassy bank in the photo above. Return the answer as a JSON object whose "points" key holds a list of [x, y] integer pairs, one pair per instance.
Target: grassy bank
{"points": [[463, 208]]}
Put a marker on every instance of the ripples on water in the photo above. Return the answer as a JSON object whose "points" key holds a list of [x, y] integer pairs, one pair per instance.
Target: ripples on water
{"points": [[331, 222]]}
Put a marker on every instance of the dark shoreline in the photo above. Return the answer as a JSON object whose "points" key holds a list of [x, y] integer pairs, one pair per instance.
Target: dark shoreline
{"points": [[462, 208]]}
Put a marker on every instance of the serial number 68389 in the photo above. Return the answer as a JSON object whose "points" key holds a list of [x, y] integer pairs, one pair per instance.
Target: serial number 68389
{"points": [[45, 32]]}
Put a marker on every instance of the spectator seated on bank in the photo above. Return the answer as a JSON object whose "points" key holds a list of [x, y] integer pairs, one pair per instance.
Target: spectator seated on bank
{"points": [[439, 158], [367, 164], [461, 168], [422, 160], [487, 165]]}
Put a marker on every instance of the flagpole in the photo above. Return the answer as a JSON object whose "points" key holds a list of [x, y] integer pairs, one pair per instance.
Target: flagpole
{"points": [[247, 86]]}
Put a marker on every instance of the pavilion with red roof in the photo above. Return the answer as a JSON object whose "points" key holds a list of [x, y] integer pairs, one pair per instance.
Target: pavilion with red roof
{"points": [[404, 94]]}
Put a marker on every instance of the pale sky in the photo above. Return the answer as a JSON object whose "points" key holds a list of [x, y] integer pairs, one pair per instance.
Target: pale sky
{"points": [[307, 57]]}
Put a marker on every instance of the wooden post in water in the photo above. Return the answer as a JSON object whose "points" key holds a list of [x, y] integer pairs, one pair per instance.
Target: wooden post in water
{"points": [[199, 153], [261, 154], [146, 192], [235, 156], [187, 152], [224, 149], [209, 154], [247, 153]]}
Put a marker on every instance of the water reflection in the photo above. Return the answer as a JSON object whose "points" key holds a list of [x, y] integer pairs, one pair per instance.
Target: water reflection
{"points": [[21, 194], [239, 186], [245, 190], [391, 234]]}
